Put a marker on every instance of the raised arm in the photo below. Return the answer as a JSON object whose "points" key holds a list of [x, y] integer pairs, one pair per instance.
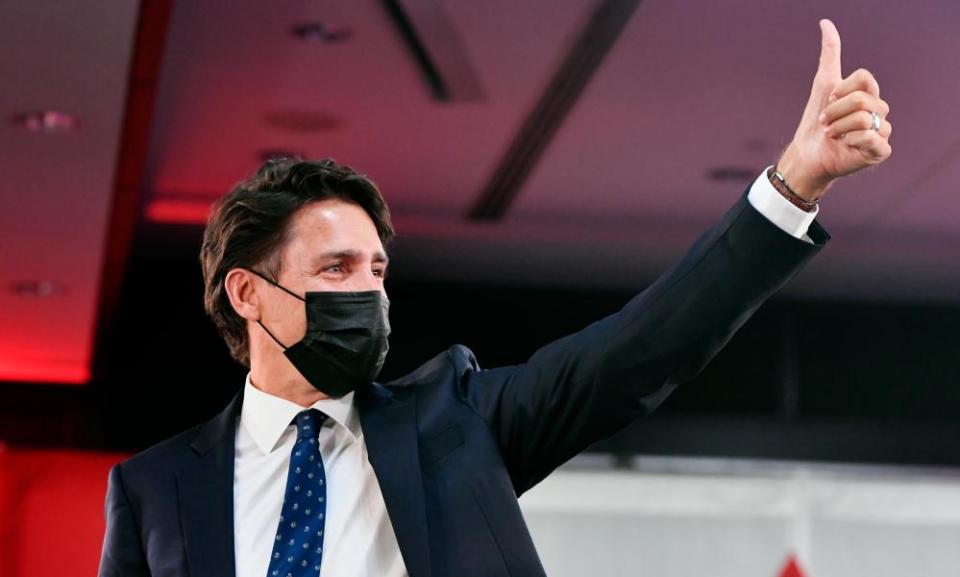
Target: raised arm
{"points": [[586, 386]]}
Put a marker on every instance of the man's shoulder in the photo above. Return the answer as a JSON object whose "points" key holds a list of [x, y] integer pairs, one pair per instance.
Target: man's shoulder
{"points": [[163, 456], [446, 367]]}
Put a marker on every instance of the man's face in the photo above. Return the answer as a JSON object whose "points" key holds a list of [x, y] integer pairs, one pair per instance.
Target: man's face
{"points": [[331, 246]]}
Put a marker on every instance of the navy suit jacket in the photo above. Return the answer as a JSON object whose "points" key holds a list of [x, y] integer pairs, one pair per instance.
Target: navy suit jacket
{"points": [[454, 445]]}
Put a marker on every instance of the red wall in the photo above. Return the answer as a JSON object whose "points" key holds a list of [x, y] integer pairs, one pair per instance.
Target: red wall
{"points": [[51, 503]]}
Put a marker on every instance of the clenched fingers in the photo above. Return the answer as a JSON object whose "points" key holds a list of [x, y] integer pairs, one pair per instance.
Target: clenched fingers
{"points": [[862, 79], [858, 100], [859, 120], [871, 144]]}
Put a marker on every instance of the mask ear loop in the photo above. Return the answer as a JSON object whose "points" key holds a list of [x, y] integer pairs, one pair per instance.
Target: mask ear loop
{"points": [[271, 335], [281, 287], [284, 289]]}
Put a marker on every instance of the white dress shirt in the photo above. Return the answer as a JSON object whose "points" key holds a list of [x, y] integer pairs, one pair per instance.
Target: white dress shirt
{"points": [[780, 211], [358, 537]]}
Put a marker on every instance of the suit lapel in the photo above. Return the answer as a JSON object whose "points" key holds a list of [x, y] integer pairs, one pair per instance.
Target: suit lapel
{"points": [[390, 432], [205, 493]]}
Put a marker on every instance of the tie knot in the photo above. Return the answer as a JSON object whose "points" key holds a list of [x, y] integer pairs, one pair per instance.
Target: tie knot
{"points": [[309, 423]]}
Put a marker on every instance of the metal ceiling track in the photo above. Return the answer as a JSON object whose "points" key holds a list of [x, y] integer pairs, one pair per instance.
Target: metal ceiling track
{"points": [[437, 50], [601, 33], [152, 25]]}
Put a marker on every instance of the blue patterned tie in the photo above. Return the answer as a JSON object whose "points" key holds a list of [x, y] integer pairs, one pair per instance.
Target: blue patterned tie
{"points": [[298, 548]]}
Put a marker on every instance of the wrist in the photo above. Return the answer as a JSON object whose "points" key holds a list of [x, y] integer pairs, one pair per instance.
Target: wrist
{"points": [[800, 179], [779, 183]]}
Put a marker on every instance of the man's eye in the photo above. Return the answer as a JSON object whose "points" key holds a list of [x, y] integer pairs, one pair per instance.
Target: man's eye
{"points": [[379, 272], [335, 268]]}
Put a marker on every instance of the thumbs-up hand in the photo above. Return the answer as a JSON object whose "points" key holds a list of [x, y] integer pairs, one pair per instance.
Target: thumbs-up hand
{"points": [[844, 127]]}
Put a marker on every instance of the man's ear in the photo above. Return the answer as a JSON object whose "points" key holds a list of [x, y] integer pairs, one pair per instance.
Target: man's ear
{"points": [[242, 290]]}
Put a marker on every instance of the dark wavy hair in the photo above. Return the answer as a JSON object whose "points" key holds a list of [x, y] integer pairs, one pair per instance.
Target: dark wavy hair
{"points": [[249, 226]]}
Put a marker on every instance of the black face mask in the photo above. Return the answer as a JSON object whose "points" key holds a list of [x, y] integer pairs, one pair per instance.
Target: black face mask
{"points": [[346, 340]]}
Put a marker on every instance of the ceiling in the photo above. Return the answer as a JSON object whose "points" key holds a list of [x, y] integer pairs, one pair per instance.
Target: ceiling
{"points": [[614, 190], [56, 190]]}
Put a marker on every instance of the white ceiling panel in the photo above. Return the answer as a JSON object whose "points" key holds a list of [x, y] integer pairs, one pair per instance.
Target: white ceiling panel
{"points": [[225, 71], [57, 188]]}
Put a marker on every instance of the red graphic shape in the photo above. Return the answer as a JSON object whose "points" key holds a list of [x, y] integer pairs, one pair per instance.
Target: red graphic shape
{"points": [[791, 568]]}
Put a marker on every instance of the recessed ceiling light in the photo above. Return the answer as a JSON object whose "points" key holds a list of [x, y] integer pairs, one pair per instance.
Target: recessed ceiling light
{"points": [[37, 288], [303, 121], [321, 32], [758, 145], [47, 121], [268, 154], [732, 173]]}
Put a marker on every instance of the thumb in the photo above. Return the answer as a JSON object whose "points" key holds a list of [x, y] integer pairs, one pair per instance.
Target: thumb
{"points": [[829, 71]]}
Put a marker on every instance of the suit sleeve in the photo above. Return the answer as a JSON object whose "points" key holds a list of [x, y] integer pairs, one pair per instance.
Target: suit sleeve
{"points": [[122, 550], [588, 385]]}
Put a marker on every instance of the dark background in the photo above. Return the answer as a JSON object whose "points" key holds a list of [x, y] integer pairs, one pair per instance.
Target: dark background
{"points": [[804, 379]]}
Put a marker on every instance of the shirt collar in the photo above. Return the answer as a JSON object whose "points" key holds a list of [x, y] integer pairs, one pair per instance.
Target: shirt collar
{"points": [[266, 417]]}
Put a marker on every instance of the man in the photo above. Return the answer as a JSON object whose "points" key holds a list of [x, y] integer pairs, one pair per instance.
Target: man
{"points": [[314, 469]]}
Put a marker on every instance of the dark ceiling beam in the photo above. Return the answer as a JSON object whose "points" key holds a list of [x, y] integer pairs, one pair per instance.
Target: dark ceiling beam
{"points": [[601, 33], [152, 25], [436, 49]]}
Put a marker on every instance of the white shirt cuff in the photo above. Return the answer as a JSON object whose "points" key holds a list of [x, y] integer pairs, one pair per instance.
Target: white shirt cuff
{"points": [[780, 211]]}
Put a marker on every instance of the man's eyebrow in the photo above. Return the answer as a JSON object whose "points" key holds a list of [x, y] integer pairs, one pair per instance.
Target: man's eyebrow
{"points": [[350, 254]]}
